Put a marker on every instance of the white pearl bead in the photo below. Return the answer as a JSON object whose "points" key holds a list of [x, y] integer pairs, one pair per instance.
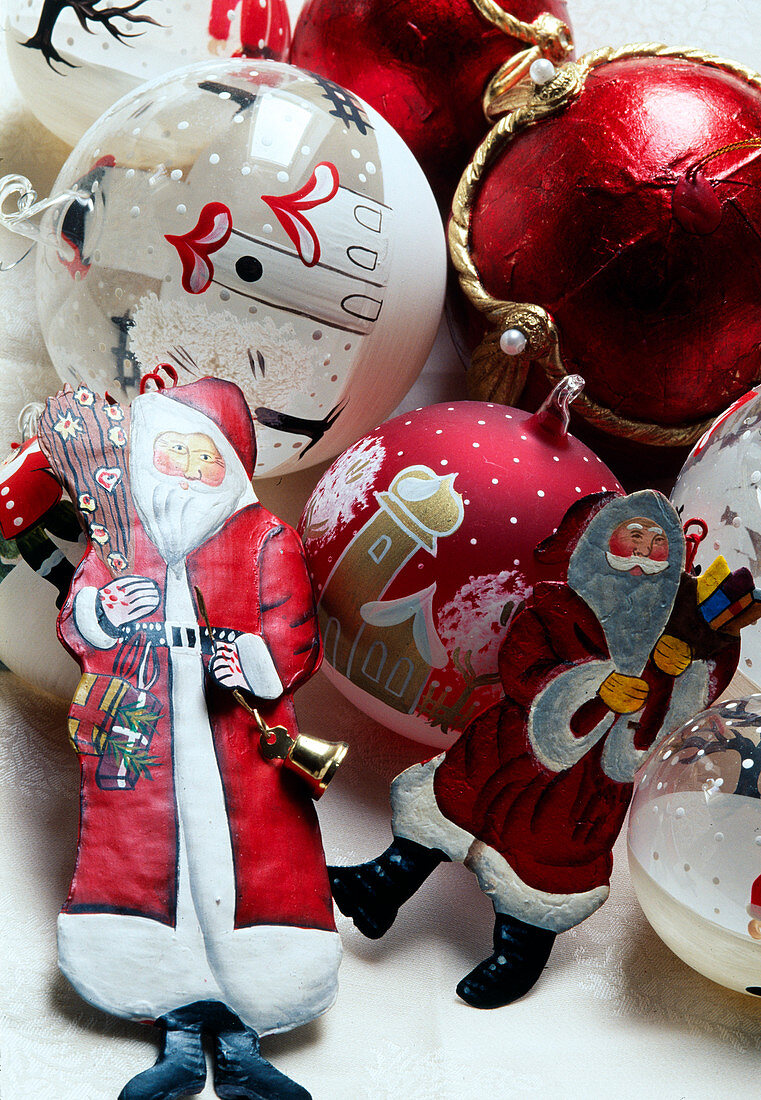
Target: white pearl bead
{"points": [[512, 342], [542, 71]]}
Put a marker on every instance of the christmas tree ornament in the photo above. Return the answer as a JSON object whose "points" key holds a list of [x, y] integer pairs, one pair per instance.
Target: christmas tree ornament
{"points": [[719, 483], [251, 221], [425, 64], [420, 542], [36, 564], [695, 843], [72, 59], [200, 898], [533, 794], [606, 226]]}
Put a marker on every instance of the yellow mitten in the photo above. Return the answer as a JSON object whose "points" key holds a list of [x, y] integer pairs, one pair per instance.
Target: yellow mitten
{"points": [[623, 694], [672, 655]]}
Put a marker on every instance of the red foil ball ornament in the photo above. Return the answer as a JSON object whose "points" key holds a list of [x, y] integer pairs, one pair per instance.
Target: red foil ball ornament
{"points": [[423, 65], [613, 221], [420, 540]]}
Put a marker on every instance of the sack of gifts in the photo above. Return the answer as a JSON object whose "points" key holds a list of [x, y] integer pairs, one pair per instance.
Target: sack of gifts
{"points": [[112, 719]]}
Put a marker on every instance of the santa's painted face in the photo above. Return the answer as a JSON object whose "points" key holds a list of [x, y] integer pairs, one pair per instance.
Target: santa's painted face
{"points": [[754, 929], [190, 457], [638, 546]]}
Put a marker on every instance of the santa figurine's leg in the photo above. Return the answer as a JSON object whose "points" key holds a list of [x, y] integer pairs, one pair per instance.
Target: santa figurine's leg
{"points": [[371, 893], [520, 954], [181, 1066], [240, 1071]]}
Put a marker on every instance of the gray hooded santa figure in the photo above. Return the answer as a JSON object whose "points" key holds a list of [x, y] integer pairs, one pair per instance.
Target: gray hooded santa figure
{"points": [[533, 794], [200, 898]]}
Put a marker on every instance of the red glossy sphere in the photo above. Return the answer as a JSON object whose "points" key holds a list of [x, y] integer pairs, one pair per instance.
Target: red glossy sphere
{"points": [[597, 215], [420, 540], [423, 64]]}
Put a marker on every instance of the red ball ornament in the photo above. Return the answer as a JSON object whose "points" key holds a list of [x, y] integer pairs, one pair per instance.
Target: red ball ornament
{"points": [[424, 64], [420, 540], [614, 223]]}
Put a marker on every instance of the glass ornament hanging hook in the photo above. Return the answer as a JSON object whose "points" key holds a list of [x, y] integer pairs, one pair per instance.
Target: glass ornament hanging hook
{"points": [[40, 222]]}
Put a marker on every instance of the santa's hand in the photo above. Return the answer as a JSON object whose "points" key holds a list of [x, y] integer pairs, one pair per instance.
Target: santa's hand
{"points": [[225, 666], [672, 655], [125, 600], [246, 663], [623, 694]]}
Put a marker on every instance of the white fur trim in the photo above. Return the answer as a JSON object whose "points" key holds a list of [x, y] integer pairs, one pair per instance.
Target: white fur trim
{"points": [[549, 719], [415, 813], [416, 816], [510, 895], [86, 620], [276, 977], [273, 977], [258, 666]]}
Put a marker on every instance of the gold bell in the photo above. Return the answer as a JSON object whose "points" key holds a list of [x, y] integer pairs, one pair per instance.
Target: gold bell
{"points": [[315, 761], [312, 759]]}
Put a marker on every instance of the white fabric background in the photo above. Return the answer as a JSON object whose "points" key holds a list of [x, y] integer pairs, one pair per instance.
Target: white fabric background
{"points": [[615, 1012]]}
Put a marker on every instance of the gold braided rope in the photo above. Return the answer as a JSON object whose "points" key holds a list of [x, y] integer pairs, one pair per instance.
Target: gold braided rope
{"points": [[499, 377], [542, 32]]}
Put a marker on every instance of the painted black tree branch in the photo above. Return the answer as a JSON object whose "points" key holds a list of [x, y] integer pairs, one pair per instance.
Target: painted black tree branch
{"points": [[748, 781], [86, 11]]}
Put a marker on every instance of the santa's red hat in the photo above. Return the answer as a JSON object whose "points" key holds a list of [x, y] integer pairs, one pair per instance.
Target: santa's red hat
{"points": [[754, 909], [557, 548], [225, 404]]}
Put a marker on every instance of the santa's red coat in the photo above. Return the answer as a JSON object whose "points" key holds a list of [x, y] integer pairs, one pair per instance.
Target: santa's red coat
{"points": [[555, 829], [254, 579]]}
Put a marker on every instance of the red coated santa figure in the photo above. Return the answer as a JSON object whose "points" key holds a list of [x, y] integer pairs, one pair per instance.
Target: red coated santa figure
{"points": [[200, 898], [754, 910], [533, 794]]}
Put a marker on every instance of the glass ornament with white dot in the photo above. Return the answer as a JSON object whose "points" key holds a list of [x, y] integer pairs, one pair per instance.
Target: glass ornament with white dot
{"points": [[164, 243], [80, 83], [719, 484], [414, 612], [693, 843]]}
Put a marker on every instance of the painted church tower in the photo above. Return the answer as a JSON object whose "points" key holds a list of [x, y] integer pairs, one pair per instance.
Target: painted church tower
{"points": [[389, 647]]}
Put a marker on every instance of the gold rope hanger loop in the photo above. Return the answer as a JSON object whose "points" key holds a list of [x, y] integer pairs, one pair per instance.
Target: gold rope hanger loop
{"points": [[495, 375]]}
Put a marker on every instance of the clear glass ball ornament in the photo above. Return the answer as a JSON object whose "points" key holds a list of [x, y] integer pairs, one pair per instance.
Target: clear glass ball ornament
{"points": [[695, 843], [248, 220]]}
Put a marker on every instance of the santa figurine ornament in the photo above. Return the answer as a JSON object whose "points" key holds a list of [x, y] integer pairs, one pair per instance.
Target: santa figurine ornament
{"points": [[533, 794], [598, 230], [200, 898]]}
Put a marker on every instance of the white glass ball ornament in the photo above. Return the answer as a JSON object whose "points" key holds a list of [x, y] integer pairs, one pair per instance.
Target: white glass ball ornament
{"points": [[72, 61], [720, 483], [695, 843], [252, 221]]}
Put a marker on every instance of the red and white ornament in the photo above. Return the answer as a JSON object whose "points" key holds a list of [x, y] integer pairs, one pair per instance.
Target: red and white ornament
{"points": [[420, 540], [423, 65], [247, 220]]}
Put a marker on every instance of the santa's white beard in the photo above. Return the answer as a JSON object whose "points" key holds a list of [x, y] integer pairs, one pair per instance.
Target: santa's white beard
{"points": [[179, 520], [625, 564]]}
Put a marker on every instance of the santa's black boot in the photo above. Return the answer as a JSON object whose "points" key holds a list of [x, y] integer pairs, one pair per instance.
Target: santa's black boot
{"points": [[520, 954], [181, 1066], [371, 893], [240, 1071]]}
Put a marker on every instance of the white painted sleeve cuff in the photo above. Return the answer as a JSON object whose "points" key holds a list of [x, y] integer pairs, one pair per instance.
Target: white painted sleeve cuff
{"points": [[258, 667], [86, 620]]}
